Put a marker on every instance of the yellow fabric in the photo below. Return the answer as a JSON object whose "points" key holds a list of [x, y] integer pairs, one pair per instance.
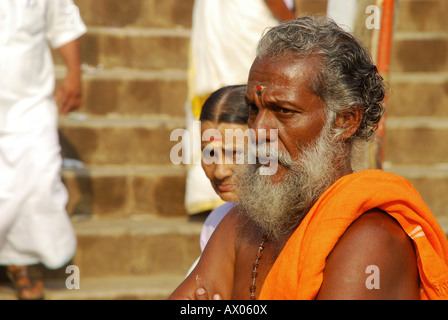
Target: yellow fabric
{"points": [[298, 271], [196, 105]]}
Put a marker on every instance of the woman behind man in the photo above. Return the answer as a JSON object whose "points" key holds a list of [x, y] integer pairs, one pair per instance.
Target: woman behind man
{"points": [[225, 109], [219, 27]]}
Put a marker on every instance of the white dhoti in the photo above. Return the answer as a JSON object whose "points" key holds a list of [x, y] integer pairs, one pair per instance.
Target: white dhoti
{"points": [[34, 225]]}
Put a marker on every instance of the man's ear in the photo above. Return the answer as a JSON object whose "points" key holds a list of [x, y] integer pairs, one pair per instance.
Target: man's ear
{"points": [[349, 121]]}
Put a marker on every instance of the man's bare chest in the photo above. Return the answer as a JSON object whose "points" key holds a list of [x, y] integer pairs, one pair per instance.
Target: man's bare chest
{"points": [[253, 261]]}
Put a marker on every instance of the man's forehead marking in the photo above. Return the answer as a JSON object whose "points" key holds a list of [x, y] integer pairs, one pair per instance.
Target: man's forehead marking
{"points": [[259, 89]]}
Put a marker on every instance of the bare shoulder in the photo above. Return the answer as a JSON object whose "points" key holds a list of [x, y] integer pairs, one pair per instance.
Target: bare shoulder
{"points": [[374, 259], [377, 226]]}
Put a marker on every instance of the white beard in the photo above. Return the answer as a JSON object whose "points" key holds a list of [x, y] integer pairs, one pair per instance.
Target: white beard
{"points": [[278, 208]]}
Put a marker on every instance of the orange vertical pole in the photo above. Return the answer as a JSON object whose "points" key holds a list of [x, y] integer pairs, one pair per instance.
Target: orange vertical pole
{"points": [[383, 65]]}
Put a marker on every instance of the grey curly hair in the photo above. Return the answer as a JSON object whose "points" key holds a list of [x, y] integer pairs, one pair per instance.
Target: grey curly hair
{"points": [[348, 78]]}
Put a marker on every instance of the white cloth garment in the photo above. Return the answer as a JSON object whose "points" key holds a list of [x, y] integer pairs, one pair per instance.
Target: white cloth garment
{"points": [[343, 12], [224, 37], [34, 225], [212, 221]]}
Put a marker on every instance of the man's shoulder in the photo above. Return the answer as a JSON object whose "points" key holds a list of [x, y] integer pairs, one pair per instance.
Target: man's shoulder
{"points": [[375, 236], [375, 242], [376, 225]]}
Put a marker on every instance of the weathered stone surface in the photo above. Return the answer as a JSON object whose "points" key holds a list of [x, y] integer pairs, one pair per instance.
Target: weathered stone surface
{"points": [[117, 142], [422, 15], [416, 95], [416, 145], [136, 246], [140, 50], [432, 184], [426, 54], [137, 13], [123, 192], [134, 97], [162, 195]]}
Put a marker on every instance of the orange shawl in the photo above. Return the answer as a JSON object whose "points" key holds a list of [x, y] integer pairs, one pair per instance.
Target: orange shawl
{"points": [[298, 271]]}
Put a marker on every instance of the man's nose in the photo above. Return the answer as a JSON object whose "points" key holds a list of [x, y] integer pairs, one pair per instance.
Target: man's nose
{"points": [[263, 128]]}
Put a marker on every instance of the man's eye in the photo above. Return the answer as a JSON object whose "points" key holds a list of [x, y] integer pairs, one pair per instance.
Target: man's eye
{"points": [[253, 108], [283, 110]]}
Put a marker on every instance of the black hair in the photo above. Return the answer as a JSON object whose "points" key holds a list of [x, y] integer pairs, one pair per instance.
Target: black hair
{"points": [[226, 104]]}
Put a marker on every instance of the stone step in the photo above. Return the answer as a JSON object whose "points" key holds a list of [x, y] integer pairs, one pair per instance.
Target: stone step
{"points": [[422, 15], [137, 13], [139, 48], [136, 246], [431, 182], [419, 52], [416, 140], [149, 49], [418, 95], [118, 140], [156, 13], [124, 191], [153, 287], [131, 92]]}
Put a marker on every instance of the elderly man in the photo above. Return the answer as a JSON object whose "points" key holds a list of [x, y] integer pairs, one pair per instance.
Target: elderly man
{"points": [[315, 229]]}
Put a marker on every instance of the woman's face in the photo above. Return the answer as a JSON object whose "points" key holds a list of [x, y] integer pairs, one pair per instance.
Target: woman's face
{"points": [[220, 155]]}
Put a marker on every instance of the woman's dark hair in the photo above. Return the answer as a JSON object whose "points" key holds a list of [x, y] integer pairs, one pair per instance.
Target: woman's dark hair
{"points": [[226, 104]]}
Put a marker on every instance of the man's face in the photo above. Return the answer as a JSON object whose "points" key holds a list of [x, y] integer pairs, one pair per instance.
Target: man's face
{"points": [[278, 98]]}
